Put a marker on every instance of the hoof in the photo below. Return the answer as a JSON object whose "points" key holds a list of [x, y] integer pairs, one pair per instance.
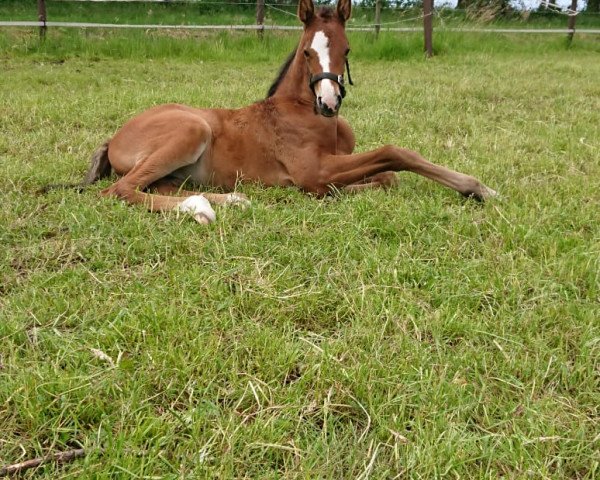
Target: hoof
{"points": [[237, 199], [481, 193], [202, 218], [487, 192], [199, 208]]}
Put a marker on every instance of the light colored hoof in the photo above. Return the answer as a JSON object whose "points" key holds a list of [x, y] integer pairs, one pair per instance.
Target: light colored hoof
{"points": [[238, 199], [200, 209], [487, 192], [202, 218]]}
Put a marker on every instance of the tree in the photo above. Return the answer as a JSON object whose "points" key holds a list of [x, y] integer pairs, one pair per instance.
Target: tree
{"points": [[593, 6], [500, 6]]}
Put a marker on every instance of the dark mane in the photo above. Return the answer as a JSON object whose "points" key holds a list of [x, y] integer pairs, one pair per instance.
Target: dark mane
{"points": [[282, 72]]}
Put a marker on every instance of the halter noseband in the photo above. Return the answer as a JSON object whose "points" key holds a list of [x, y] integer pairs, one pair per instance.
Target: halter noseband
{"points": [[339, 79]]}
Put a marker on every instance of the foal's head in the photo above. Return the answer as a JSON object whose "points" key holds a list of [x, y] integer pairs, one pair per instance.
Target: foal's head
{"points": [[325, 49]]}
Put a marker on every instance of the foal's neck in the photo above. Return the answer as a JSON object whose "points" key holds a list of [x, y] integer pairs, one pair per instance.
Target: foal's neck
{"points": [[295, 84]]}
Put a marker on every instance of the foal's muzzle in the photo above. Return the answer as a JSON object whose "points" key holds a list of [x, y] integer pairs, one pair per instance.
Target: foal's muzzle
{"points": [[325, 108], [322, 107]]}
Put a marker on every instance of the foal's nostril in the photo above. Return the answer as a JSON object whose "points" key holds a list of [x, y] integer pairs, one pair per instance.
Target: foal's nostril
{"points": [[325, 110]]}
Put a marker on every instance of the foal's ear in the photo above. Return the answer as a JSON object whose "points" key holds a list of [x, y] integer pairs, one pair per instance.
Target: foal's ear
{"points": [[306, 10], [344, 9]]}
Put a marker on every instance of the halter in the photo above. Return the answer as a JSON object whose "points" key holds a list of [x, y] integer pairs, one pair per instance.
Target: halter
{"points": [[339, 79]]}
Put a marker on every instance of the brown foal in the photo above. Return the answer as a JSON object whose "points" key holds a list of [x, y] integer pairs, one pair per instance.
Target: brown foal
{"points": [[294, 137]]}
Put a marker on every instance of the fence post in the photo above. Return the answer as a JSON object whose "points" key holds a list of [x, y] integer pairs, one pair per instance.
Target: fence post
{"points": [[41, 4], [571, 22], [260, 17], [428, 26], [377, 17]]}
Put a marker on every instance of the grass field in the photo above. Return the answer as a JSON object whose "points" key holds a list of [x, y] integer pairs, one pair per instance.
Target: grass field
{"points": [[398, 334]]}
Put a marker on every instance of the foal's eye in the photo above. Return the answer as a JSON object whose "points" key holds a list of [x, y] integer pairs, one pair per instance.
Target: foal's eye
{"points": [[306, 53]]}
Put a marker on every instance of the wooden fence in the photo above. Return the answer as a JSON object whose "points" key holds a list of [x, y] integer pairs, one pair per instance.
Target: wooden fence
{"points": [[260, 27]]}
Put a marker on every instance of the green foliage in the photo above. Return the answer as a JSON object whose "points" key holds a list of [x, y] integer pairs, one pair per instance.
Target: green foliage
{"points": [[592, 6], [406, 332], [199, 13]]}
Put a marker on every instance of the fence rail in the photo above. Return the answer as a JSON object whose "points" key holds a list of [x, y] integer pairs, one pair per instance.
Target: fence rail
{"points": [[287, 27], [260, 26]]}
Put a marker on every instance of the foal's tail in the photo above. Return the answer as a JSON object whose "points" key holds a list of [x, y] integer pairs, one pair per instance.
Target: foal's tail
{"points": [[99, 168], [99, 165]]}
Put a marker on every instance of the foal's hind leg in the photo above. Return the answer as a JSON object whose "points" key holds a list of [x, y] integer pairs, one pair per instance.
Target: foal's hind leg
{"points": [[168, 186], [170, 153]]}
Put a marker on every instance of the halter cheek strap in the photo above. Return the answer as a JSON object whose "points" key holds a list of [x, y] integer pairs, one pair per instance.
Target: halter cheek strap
{"points": [[339, 79]]}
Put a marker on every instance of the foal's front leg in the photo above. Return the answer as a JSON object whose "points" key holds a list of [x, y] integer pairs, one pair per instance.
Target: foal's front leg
{"points": [[381, 180], [343, 170]]}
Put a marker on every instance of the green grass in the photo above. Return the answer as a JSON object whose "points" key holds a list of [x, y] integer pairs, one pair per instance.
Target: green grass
{"points": [[96, 44], [406, 332]]}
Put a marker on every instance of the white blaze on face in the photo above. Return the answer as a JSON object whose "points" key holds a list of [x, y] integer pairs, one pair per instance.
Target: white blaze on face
{"points": [[325, 88]]}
